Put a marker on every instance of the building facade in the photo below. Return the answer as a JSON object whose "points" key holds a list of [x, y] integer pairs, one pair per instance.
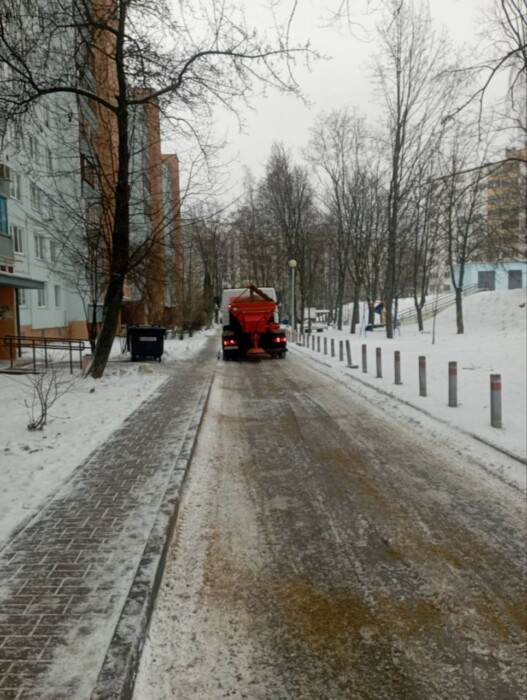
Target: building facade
{"points": [[58, 171]]}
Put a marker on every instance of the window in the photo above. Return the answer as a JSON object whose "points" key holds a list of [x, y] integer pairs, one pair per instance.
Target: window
{"points": [[52, 251], [40, 251], [41, 297], [15, 186], [3, 216], [22, 297], [515, 279], [487, 280], [18, 239], [34, 150], [36, 197], [57, 296]]}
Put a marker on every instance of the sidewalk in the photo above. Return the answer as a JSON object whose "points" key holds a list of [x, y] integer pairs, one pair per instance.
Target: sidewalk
{"points": [[78, 582]]}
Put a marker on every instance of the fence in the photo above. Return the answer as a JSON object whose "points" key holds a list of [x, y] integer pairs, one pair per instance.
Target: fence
{"points": [[17, 343], [436, 304]]}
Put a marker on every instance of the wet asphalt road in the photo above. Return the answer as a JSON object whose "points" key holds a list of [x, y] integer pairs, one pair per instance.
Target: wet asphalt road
{"points": [[325, 551]]}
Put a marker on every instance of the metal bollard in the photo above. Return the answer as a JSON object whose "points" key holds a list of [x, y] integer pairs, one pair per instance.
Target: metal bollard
{"points": [[325, 346], [495, 400], [364, 358], [332, 344], [378, 357], [312, 342], [318, 343], [341, 350], [397, 366], [452, 384], [348, 352], [422, 375]]}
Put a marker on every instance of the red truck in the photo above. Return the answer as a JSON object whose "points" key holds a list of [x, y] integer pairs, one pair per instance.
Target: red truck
{"points": [[251, 329]]}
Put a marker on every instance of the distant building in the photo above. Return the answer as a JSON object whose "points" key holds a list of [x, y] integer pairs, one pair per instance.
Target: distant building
{"points": [[506, 204], [495, 199], [498, 276]]}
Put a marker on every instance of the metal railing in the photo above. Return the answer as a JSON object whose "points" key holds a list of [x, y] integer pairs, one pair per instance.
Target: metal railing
{"points": [[16, 343], [436, 304]]}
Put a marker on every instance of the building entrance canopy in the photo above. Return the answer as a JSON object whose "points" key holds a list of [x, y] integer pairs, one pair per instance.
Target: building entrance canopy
{"points": [[7, 280]]}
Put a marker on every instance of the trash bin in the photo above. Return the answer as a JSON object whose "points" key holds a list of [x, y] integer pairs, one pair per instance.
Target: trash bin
{"points": [[145, 341]]}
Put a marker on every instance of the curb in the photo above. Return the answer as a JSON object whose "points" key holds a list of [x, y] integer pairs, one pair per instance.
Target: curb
{"points": [[384, 392], [116, 678]]}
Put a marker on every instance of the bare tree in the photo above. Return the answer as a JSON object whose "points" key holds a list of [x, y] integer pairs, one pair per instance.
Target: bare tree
{"points": [[261, 248], [425, 243], [459, 196], [416, 88], [289, 199], [334, 151], [45, 388], [505, 35], [183, 58], [343, 153]]}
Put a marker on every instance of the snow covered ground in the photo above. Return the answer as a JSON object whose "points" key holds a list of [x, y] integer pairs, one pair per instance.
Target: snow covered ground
{"points": [[494, 342], [34, 464]]}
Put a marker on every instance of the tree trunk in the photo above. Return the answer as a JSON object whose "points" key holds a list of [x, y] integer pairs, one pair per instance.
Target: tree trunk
{"points": [[459, 310], [420, 318], [120, 250], [112, 305], [355, 314]]}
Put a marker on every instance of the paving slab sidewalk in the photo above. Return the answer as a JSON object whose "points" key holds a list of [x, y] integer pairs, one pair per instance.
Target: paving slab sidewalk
{"points": [[77, 583]]}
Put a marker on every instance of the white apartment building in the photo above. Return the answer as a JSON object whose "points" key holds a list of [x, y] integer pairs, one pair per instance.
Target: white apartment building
{"points": [[41, 200]]}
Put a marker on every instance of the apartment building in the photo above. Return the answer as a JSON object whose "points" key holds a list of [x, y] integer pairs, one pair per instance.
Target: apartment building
{"points": [[57, 185], [506, 205], [484, 212]]}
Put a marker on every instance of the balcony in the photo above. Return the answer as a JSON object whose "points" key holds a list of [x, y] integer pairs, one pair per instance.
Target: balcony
{"points": [[7, 253]]}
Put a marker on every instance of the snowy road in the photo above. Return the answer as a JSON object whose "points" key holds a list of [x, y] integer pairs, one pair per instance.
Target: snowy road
{"points": [[324, 551]]}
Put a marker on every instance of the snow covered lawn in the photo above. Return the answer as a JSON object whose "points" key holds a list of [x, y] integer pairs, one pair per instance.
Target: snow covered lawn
{"points": [[33, 465], [494, 342]]}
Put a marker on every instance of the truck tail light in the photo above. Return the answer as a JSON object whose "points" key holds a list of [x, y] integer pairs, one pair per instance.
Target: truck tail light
{"points": [[229, 342], [280, 339]]}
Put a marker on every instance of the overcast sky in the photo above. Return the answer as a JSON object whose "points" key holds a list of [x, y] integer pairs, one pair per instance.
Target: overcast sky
{"points": [[341, 81]]}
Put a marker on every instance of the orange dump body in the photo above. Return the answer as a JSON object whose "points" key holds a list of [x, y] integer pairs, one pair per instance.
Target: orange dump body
{"points": [[255, 316]]}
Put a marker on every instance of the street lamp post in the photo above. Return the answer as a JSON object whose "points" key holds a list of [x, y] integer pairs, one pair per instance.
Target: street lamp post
{"points": [[292, 265]]}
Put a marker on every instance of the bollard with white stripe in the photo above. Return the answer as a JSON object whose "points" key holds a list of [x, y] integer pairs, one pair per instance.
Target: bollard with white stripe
{"points": [[452, 384], [378, 358], [422, 375], [341, 350], [364, 358], [495, 400], [397, 366]]}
